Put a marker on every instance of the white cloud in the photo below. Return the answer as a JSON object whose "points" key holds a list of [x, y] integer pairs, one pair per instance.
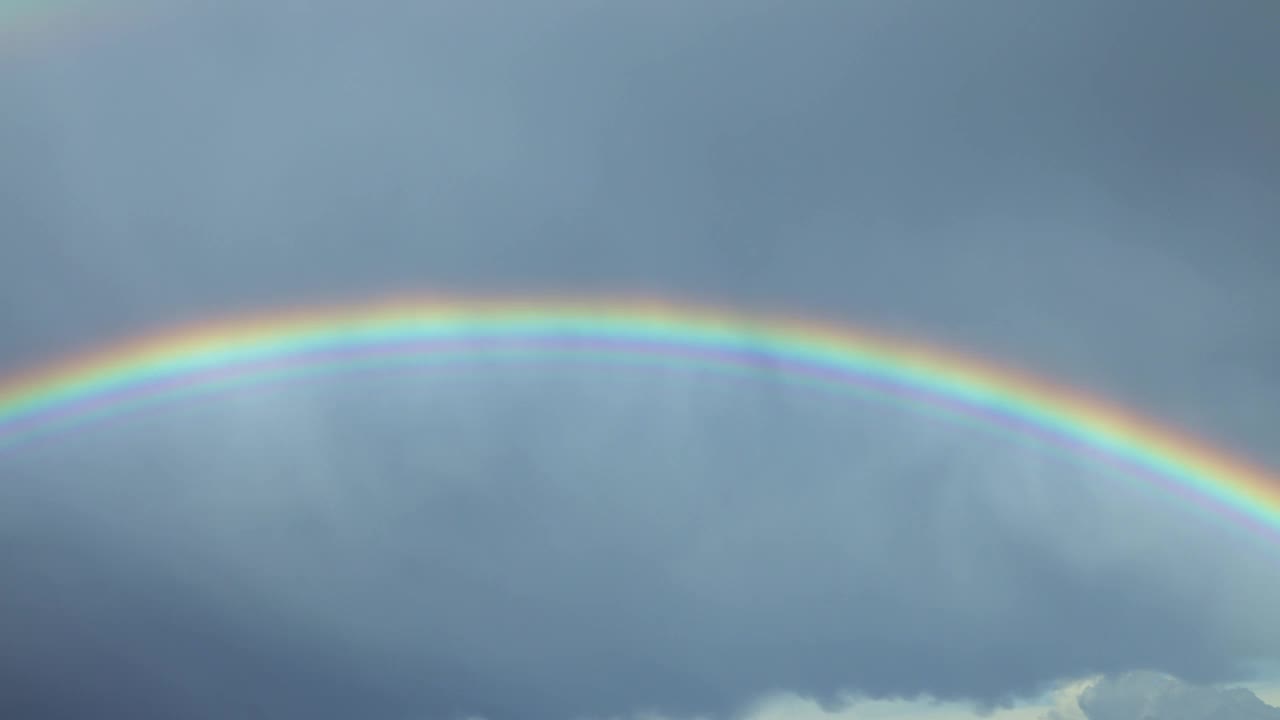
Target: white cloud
{"points": [[1143, 695], [1269, 693], [793, 707], [1065, 701], [1131, 696]]}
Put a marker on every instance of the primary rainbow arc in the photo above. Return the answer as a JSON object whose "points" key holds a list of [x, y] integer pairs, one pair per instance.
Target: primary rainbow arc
{"points": [[411, 331]]}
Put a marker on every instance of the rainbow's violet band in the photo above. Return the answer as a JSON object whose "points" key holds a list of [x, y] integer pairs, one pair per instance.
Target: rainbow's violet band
{"points": [[412, 332]]}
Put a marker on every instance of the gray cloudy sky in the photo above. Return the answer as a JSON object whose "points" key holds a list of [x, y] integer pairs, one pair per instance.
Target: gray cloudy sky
{"points": [[1089, 190]]}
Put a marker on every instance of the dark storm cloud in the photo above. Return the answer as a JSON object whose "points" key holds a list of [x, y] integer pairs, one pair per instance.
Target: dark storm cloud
{"points": [[1087, 188]]}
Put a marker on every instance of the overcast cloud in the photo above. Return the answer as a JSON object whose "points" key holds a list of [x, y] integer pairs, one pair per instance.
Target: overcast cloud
{"points": [[1089, 190]]}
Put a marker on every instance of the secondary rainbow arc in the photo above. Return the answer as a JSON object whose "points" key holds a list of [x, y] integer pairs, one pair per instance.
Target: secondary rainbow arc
{"points": [[411, 331]]}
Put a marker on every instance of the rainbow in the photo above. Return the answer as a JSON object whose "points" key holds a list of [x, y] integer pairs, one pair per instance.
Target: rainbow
{"points": [[413, 333]]}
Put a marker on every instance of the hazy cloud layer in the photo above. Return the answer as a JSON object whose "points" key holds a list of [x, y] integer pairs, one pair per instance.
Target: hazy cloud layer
{"points": [[1090, 190]]}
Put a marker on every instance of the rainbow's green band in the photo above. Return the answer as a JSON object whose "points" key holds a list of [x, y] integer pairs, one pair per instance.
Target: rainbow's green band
{"points": [[414, 331]]}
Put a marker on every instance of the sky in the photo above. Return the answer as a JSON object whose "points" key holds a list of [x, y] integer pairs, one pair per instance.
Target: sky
{"points": [[1089, 191]]}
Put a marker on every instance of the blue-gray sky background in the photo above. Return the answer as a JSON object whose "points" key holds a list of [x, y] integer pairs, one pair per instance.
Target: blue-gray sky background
{"points": [[1088, 190]]}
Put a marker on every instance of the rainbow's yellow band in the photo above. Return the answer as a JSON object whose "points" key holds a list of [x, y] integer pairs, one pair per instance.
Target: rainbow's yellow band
{"points": [[412, 331]]}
